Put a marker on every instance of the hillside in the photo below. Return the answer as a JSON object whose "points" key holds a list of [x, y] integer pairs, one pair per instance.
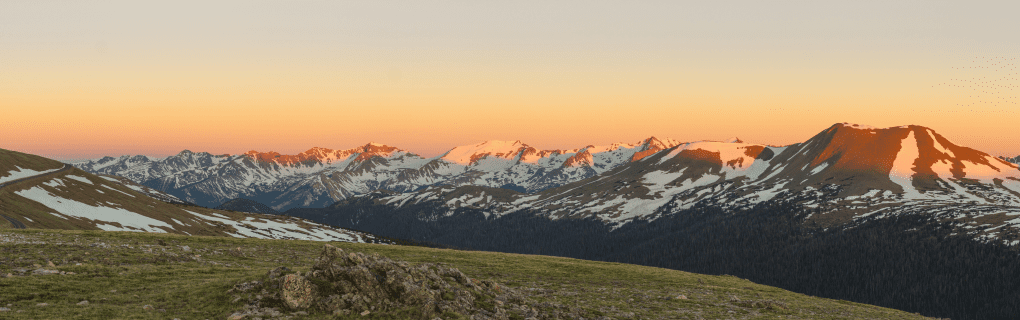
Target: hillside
{"points": [[115, 274], [72, 199]]}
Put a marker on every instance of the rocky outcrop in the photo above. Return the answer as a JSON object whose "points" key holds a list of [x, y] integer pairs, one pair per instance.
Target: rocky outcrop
{"points": [[349, 283]]}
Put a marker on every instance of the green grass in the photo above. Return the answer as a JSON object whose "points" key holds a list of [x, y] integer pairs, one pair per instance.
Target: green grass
{"points": [[118, 276]]}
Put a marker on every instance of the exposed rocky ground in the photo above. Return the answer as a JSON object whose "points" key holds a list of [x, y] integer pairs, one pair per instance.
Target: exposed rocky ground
{"points": [[348, 283]]}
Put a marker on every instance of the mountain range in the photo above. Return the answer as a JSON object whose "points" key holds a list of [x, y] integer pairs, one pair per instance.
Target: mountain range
{"points": [[899, 217], [319, 177], [845, 173]]}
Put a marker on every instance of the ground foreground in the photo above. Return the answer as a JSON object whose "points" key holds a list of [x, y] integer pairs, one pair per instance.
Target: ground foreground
{"points": [[48, 274]]}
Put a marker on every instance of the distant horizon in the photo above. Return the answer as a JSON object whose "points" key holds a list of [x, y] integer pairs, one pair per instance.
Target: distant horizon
{"points": [[87, 79], [435, 154]]}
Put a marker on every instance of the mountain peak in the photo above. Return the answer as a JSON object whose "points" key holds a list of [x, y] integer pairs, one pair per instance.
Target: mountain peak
{"points": [[652, 145], [466, 155], [913, 158]]}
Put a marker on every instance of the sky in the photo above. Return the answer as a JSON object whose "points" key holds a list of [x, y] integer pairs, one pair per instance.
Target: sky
{"points": [[85, 79]]}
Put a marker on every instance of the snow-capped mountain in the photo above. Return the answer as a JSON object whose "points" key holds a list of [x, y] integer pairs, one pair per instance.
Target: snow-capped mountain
{"points": [[319, 177], [843, 175]]}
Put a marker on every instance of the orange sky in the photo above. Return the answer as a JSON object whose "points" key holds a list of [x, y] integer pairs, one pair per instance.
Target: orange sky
{"points": [[108, 80]]}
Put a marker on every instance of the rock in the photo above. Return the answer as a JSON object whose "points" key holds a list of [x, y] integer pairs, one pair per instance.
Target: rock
{"points": [[44, 272], [186, 248], [50, 264], [245, 286], [297, 291], [41, 304], [351, 283], [681, 297], [3, 309], [83, 303], [148, 308]]}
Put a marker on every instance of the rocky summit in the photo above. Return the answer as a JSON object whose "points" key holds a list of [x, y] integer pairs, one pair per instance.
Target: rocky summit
{"points": [[354, 283]]}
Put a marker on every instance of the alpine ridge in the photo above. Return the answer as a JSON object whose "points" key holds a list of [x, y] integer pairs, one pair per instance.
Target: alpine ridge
{"points": [[845, 173], [319, 177]]}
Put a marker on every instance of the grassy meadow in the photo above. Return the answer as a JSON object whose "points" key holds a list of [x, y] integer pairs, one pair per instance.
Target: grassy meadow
{"points": [[134, 275]]}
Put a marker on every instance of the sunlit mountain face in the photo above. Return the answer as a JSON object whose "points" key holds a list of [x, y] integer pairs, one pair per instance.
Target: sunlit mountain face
{"points": [[319, 176]]}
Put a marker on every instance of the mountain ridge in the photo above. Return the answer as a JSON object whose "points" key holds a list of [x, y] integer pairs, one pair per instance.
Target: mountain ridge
{"points": [[320, 176]]}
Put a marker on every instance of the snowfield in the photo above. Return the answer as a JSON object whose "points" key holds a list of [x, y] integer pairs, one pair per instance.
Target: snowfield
{"points": [[106, 218], [20, 172]]}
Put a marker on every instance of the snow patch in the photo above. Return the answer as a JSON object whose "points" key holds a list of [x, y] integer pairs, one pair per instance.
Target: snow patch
{"points": [[100, 214], [819, 168], [111, 188], [269, 229], [19, 173], [902, 171], [82, 179]]}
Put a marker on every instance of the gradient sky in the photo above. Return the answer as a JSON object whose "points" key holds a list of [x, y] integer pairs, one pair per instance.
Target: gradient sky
{"points": [[83, 79]]}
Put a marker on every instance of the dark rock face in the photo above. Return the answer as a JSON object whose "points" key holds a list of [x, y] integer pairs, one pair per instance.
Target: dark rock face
{"points": [[349, 283]]}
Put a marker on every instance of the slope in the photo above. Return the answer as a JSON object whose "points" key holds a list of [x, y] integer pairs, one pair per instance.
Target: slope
{"points": [[195, 276], [76, 200]]}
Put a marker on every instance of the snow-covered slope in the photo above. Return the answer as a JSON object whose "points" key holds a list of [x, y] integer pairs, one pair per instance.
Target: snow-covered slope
{"points": [[74, 199], [156, 194], [844, 174], [318, 177]]}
